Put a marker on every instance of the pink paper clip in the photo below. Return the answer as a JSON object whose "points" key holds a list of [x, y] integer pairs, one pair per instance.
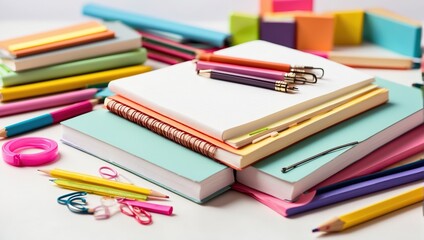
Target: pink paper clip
{"points": [[150, 207]]}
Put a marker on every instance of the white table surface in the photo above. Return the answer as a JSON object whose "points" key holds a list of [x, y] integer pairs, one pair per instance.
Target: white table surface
{"points": [[28, 208]]}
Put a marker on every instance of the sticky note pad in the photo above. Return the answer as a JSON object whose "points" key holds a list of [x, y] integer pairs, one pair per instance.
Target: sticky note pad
{"points": [[273, 6], [392, 31], [314, 32], [292, 5], [244, 27], [279, 30], [348, 27]]}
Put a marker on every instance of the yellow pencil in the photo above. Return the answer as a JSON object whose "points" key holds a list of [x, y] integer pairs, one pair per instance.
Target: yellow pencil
{"points": [[98, 190], [64, 174], [68, 83], [372, 211]]}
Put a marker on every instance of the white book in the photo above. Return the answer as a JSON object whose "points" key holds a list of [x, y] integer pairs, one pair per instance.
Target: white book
{"points": [[226, 110], [125, 39]]}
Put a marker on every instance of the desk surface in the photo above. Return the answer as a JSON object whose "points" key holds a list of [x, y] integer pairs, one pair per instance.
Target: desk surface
{"points": [[29, 209]]}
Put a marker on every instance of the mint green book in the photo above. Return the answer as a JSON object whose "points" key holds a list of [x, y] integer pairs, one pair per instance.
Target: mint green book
{"points": [[148, 155], [372, 129], [117, 60]]}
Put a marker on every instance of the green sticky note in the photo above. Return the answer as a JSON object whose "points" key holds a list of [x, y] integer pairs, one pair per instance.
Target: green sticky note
{"points": [[244, 27]]}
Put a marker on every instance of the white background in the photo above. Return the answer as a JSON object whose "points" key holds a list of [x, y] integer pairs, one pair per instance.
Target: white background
{"points": [[28, 208]]}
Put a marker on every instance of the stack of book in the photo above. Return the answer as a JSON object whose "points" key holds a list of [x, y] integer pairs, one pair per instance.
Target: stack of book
{"points": [[84, 55], [256, 132], [166, 41]]}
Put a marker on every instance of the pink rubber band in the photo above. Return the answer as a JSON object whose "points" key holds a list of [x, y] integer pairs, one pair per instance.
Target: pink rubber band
{"points": [[14, 158]]}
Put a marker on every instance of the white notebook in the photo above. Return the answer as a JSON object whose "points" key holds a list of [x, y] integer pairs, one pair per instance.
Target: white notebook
{"points": [[226, 110]]}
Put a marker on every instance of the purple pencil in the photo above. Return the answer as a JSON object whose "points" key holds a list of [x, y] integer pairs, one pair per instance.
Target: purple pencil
{"points": [[271, 84], [46, 102]]}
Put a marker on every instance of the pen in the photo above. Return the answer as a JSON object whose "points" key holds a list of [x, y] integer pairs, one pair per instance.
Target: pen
{"points": [[292, 77], [64, 174], [47, 101], [372, 211], [48, 118], [284, 67], [271, 84], [97, 189]]}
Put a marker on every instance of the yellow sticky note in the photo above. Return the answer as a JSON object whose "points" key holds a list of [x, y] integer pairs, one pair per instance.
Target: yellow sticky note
{"points": [[244, 27], [348, 27]]}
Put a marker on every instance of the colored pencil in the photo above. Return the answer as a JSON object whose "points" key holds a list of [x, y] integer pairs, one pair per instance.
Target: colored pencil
{"points": [[271, 84], [97, 189], [64, 174], [47, 102], [372, 211], [48, 118], [284, 67]]}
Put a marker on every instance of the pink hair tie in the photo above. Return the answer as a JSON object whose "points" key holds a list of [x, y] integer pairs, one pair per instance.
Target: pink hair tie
{"points": [[12, 148]]}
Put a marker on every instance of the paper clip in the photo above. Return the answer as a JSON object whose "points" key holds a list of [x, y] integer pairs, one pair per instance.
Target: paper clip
{"points": [[75, 202], [139, 214], [107, 208], [111, 174]]}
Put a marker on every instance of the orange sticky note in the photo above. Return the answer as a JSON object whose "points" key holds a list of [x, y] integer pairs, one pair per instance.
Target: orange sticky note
{"points": [[314, 32]]}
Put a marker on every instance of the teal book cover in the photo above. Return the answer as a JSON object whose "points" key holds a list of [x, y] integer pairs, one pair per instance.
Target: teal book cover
{"points": [[371, 129], [148, 155]]}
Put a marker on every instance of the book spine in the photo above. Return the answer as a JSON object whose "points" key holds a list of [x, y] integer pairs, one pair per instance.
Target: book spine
{"points": [[183, 138]]}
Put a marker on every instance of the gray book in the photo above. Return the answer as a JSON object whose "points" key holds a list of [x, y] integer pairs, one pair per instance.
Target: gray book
{"points": [[125, 39]]}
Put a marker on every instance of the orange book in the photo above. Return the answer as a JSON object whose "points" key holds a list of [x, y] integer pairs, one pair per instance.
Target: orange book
{"points": [[54, 39]]}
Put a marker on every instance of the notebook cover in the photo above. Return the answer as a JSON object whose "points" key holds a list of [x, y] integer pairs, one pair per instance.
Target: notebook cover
{"points": [[10, 78], [404, 101], [179, 93], [142, 143]]}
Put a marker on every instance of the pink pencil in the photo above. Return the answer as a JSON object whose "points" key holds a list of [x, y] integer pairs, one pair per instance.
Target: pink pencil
{"points": [[256, 72], [46, 102]]}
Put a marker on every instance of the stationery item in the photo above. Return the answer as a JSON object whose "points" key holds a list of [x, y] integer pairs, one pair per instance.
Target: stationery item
{"points": [[280, 86], [48, 118], [314, 32], [362, 187], [368, 55], [392, 31], [98, 189], [394, 152], [157, 39], [348, 27], [251, 115], [244, 27], [278, 29], [163, 57], [111, 174], [139, 214], [47, 101], [136, 150], [140, 21], [165, 50], [13, 156], [54, 39], [372, 211], [290, 77], [69, 83], [267, 6], [81, 177], [75, 203], [371, 129], [149, 207], [249, 62], [9, 78], [288, 131], [125, 39]]}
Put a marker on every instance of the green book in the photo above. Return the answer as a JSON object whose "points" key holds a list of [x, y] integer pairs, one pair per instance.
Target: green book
{"points": [[148, 155], [11, 78], [371, 129]]}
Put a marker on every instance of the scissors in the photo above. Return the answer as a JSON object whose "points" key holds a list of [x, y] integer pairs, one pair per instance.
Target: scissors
{"points": [[139, 214], [112, 174]]}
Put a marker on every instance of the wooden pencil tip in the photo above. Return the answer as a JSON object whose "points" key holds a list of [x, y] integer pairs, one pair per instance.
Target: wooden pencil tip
{"points": [[43, 171], [3, 133]]}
